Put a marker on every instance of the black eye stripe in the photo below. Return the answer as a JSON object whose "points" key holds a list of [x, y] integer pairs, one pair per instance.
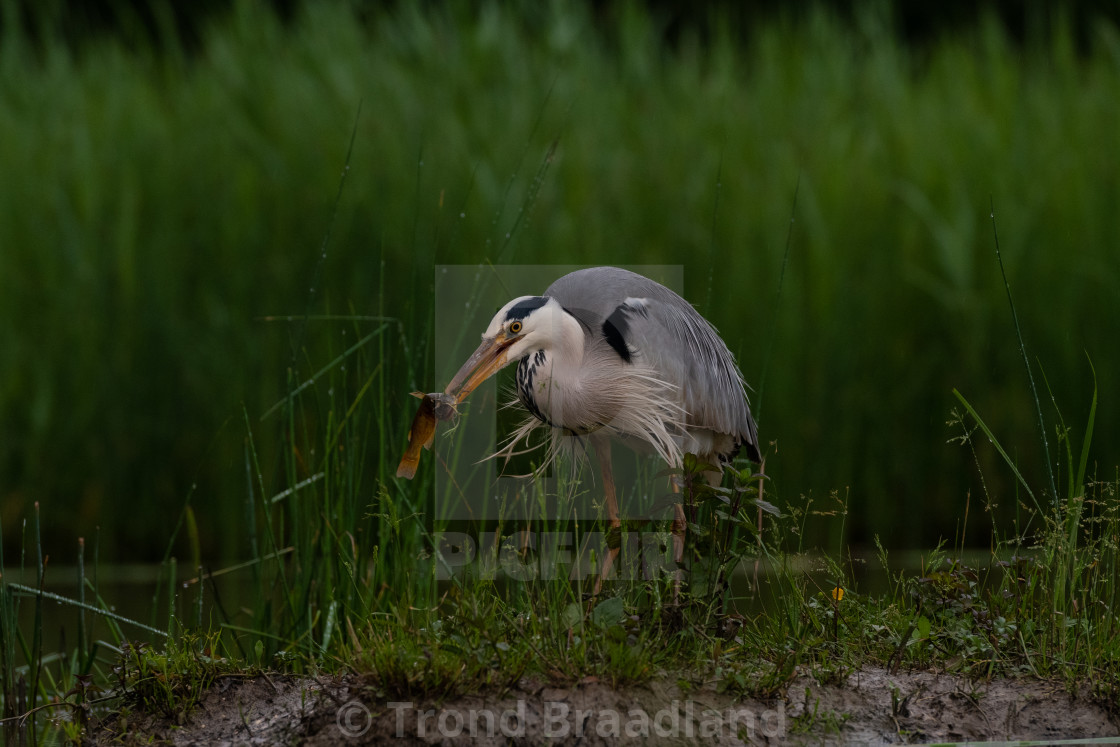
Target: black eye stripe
{"points": [[522, 309]]}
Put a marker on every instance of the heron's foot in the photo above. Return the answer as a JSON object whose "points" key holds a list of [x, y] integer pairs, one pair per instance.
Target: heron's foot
{"points": [[613, 548], [678, 530]]}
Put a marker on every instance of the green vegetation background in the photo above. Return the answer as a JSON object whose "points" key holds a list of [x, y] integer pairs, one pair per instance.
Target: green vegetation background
{"points": [[155, 207]]}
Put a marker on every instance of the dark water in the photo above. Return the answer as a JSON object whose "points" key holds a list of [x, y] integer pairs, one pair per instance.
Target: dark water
{"points": [[137, 595], [121, 603]]}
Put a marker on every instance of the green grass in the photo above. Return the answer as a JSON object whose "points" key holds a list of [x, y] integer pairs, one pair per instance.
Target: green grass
{"points": [[160, 207], [173, 220], [365, 605], [345, 582]]}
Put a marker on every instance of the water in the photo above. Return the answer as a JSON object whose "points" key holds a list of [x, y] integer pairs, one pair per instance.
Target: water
{"points": [[138, 593], [128, 592]]}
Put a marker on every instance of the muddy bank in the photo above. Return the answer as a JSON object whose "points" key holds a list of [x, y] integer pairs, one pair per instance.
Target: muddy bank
{"points": [[873, 707]]}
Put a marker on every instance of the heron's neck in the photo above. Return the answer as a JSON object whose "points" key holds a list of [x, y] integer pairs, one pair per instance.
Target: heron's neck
{"points": [[555, 368], [568, 348]]}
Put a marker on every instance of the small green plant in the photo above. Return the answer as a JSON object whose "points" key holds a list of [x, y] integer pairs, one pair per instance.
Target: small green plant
{"points": [[816, 721], [170, 681], [723, 530]]}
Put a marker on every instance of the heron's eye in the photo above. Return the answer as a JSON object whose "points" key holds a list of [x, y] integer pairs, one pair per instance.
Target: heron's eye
{"points": [[514, 328]]}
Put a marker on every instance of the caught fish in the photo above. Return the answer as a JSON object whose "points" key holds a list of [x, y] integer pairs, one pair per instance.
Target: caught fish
{"points": [[433, 407], [445, 406]]}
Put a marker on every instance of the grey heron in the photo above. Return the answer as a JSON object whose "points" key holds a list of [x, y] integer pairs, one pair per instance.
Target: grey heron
{"points": [[606, 353]]}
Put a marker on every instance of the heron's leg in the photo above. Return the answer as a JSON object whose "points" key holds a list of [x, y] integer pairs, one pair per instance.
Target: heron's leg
{"points": [[680, 523], [614, 534], [761, 486], [678, 530]]}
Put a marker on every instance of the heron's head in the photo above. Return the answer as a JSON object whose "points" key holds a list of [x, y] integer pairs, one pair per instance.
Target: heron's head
{"points": [[520, 327]]}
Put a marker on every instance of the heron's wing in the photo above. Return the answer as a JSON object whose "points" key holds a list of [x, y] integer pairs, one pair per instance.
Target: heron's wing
{"points": [[648, 324], [670, 337]]}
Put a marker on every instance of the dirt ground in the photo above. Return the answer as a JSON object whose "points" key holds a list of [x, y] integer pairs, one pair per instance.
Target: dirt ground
{"points": [[873, 707]]}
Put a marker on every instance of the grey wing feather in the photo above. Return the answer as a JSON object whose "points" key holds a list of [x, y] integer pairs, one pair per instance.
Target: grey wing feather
{"points": [[664, 331], [687, 352]]}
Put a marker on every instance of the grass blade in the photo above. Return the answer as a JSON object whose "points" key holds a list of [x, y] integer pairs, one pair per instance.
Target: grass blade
{"points": [[777, 303], [1088, 438], [1026, 364], [102, 611], [995, 442]]}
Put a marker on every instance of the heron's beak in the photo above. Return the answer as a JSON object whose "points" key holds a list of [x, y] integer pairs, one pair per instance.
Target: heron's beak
{"points": [[484, 362]]}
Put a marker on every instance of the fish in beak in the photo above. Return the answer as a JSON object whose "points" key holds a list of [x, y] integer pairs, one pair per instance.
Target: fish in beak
{"points": [[420, 435], [484, 362]]}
